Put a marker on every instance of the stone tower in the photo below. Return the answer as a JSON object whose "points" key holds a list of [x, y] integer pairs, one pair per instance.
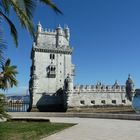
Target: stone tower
{"points": [[51, 65]]}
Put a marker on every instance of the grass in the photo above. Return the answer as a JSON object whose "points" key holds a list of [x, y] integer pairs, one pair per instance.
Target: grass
{"points": [[29, 130]]}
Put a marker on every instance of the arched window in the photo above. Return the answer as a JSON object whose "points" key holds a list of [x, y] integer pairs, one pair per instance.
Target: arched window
{"points": [[51, 71], [53, 56], [82, 102], [92, 101], [50, 56], [51, 68]]}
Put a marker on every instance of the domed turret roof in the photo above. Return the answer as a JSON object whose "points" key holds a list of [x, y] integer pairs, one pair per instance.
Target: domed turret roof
{"points": [[116, 83], [39, 24], [59, 27]]}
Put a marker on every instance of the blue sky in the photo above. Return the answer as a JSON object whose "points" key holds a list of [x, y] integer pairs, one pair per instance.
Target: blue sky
{"points": [[105, 35]]}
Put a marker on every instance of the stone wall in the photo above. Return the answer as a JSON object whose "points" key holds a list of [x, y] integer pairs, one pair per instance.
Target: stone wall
{"points": [[92, 95]]}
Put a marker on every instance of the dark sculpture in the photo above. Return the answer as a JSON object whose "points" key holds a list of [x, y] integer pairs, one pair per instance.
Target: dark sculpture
{"points": [[67, 81], [129, 88]]}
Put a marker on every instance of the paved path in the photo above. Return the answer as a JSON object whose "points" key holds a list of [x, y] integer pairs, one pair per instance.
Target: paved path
{"points": [[97, 129]]}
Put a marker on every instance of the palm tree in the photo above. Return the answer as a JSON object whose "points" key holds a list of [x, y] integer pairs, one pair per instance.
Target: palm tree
{"points": [[8, 75], [7, 80]]}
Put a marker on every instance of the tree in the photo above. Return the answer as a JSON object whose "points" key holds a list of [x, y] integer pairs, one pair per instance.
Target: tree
{"points": [[8, 75], [7, 80]]}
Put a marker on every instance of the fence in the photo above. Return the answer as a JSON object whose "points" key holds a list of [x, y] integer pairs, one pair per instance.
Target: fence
{"points": [[17, 107]]}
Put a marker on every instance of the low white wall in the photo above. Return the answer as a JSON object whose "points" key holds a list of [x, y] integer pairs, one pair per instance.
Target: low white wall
{"points": [[79, 99]]}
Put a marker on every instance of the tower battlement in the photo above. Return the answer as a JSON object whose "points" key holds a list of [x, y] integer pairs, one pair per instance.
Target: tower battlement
{"points": [[97, 88], [59, 30], [58, 37]]}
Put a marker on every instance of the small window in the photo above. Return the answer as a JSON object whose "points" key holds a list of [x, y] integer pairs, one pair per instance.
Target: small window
{"points": [[93, 102], [124, 101], [103, 101], [51, 71], [113, 101], [51, 68], [60, 63], [60, 71], [52, 56], [82, 102]]}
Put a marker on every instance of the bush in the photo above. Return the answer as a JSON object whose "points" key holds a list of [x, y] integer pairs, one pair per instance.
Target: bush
{"points": [[3, 113]]}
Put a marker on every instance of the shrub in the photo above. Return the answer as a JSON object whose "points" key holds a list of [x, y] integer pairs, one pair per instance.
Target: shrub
{"points": [[3, 113]]}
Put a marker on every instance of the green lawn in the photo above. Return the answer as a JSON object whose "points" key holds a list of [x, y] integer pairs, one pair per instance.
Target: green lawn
{"points": [[29, 130]]}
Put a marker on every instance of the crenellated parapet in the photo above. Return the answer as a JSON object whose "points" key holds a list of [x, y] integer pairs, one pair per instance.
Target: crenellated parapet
{"points": [[59, 30], [59, 33], [99, 88]]}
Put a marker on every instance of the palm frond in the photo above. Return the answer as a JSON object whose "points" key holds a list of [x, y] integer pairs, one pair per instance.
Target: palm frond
{"points": [[12, 27], [28, 6], [24, 10], [7, 63], [51, 5], [24, 20], [8, 75], [2, 47], [5, 4]]}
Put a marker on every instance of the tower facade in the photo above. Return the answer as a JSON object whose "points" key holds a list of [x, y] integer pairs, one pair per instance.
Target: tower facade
{"points": [[51, 65]]}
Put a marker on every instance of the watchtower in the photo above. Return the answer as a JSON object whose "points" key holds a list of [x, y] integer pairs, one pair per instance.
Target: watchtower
{"points": [[51, 64]]}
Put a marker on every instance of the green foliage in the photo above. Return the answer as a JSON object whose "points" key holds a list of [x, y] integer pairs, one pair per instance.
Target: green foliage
{"points": [[24, 10], [2, 47], [7, 80], [29, 130], [3, 113], [8, 75]]}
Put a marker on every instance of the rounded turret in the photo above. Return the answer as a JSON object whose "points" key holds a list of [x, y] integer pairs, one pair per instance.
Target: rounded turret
{"points": [[68, 84], [67, 32], [39, 28], [59, 30]]}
